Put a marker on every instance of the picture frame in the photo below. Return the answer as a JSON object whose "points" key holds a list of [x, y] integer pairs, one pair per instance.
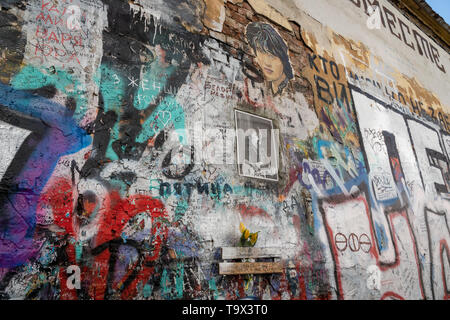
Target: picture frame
{"points": [[257, 146]]}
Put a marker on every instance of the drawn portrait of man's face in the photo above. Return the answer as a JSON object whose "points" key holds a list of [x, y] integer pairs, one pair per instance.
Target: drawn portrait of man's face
{"points": [[271, 65], [271, 55]]}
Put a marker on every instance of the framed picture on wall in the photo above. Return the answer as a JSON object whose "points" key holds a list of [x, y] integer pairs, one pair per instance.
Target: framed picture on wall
{"points": [[257, 146]]}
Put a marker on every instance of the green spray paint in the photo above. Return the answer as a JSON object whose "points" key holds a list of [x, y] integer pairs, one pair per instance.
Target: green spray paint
{"points": [[31, 78]]}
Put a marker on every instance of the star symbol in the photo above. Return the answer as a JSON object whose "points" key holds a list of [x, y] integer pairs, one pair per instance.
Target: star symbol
{"points": [[133, 82]]}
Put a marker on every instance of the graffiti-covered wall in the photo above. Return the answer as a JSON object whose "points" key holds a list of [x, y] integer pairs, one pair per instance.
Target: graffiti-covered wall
{"points": [[140, 138]]}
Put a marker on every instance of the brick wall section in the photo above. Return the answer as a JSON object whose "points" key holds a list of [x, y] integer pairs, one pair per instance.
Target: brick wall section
{"points": [[233, 37]]}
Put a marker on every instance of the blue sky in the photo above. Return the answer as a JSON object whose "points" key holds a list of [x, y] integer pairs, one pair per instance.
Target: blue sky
{"points": [[442, 7]]}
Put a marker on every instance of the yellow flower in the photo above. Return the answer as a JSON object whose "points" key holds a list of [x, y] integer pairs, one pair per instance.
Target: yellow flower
{"points": [[246, 234], [253, 238], [242, 227]]}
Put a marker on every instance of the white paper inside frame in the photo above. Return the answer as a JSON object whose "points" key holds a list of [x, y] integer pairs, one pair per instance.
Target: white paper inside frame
{"points": [[257, 146]]}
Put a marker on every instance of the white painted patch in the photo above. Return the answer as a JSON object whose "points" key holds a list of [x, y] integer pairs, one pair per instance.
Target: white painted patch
{"points": [[11, 138]]}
